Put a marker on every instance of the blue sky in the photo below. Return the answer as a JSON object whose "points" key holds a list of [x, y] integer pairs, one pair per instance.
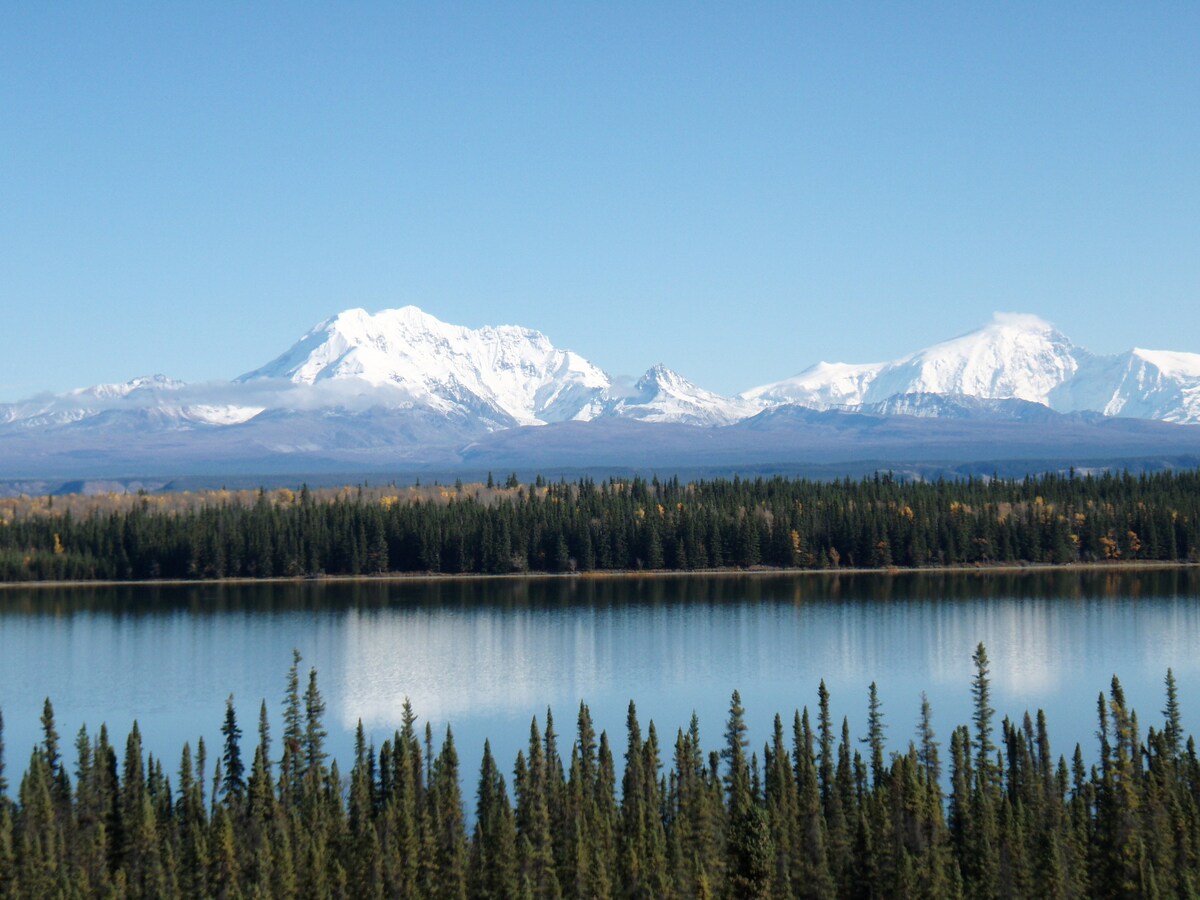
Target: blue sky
{"points": [[738, 190]]}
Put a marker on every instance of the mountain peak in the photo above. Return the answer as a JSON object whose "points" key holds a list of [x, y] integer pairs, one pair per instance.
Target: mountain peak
{"points": [[659, 373], [405, 379], [663, 395], [1018, 332], [1021, 322], [360, 326], [1015, 355], [506, 374]]}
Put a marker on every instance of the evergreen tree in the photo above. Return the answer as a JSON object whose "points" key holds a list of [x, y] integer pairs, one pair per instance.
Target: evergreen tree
{"points": [[737, 777], [447, 821], [982, 718], [264, 736], [1019, 823], [1173, 730], [313, 742], [290, 764], [928, 748], [231, 757], [492, 872], [875, 735]]}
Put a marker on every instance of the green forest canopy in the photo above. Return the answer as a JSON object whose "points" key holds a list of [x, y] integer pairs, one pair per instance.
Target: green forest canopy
{"points": [[878, 522], [812, 813]]}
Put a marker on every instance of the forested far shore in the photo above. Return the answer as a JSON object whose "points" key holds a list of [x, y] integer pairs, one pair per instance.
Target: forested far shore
{"points": [[615, 525], [813, 813]]}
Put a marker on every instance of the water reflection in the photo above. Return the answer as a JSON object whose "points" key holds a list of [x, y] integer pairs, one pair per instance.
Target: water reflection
{"points": [[488, 654], [599, 591]]}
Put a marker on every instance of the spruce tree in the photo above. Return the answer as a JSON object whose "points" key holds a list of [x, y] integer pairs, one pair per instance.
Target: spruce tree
{"points": [[1173, 729], [313, 742], [982, 718], [634, 815], [737, 777], [825, 753], [264, 736], [231, 757], [492, 872], [875, 735], [60, 786], [928, 747], [290, 763], [447, 819], [40, 855]]}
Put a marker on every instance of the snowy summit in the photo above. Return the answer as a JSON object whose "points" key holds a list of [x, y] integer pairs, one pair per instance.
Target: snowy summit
{"points": [[508, 374], [506, 371], [1013, 357], [429, 380]]}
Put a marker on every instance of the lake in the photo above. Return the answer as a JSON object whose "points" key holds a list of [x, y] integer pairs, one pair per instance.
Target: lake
{"points": [[488, 655]]}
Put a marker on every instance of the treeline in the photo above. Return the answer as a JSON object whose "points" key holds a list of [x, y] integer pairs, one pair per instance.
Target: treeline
{"points": [[810, 814], [878, 522]]}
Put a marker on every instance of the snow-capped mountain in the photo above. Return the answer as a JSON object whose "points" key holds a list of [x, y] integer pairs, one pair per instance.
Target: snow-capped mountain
{"points": [[148, 384], [1140, 384], [167, 397], [50, 409], [401, 385], [1013, 357], [662, 395], [400, 359], [508, 374], [504, 375]]}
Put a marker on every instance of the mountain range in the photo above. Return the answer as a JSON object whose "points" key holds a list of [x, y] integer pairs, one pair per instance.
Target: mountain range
{"points": [[402, 388]]}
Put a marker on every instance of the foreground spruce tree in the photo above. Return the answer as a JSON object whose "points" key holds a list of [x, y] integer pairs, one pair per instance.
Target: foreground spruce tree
{"points": [[806, 817]]}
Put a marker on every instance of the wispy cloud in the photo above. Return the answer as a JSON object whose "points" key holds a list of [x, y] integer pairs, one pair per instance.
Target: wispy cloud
{"points": [[264, 393]]}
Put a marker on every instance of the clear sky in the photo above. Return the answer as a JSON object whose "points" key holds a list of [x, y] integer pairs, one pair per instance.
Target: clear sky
{"points": [[738, 190]]}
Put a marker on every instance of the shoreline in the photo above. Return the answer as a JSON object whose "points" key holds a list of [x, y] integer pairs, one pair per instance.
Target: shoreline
{"points": [[621, 574]]}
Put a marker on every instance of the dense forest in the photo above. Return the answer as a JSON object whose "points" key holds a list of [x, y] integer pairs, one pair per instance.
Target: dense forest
{"points": [[809, 814], [878, 522]]}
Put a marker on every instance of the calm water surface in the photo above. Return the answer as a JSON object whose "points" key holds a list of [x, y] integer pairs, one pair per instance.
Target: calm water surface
{"points": [[487, 656]]}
